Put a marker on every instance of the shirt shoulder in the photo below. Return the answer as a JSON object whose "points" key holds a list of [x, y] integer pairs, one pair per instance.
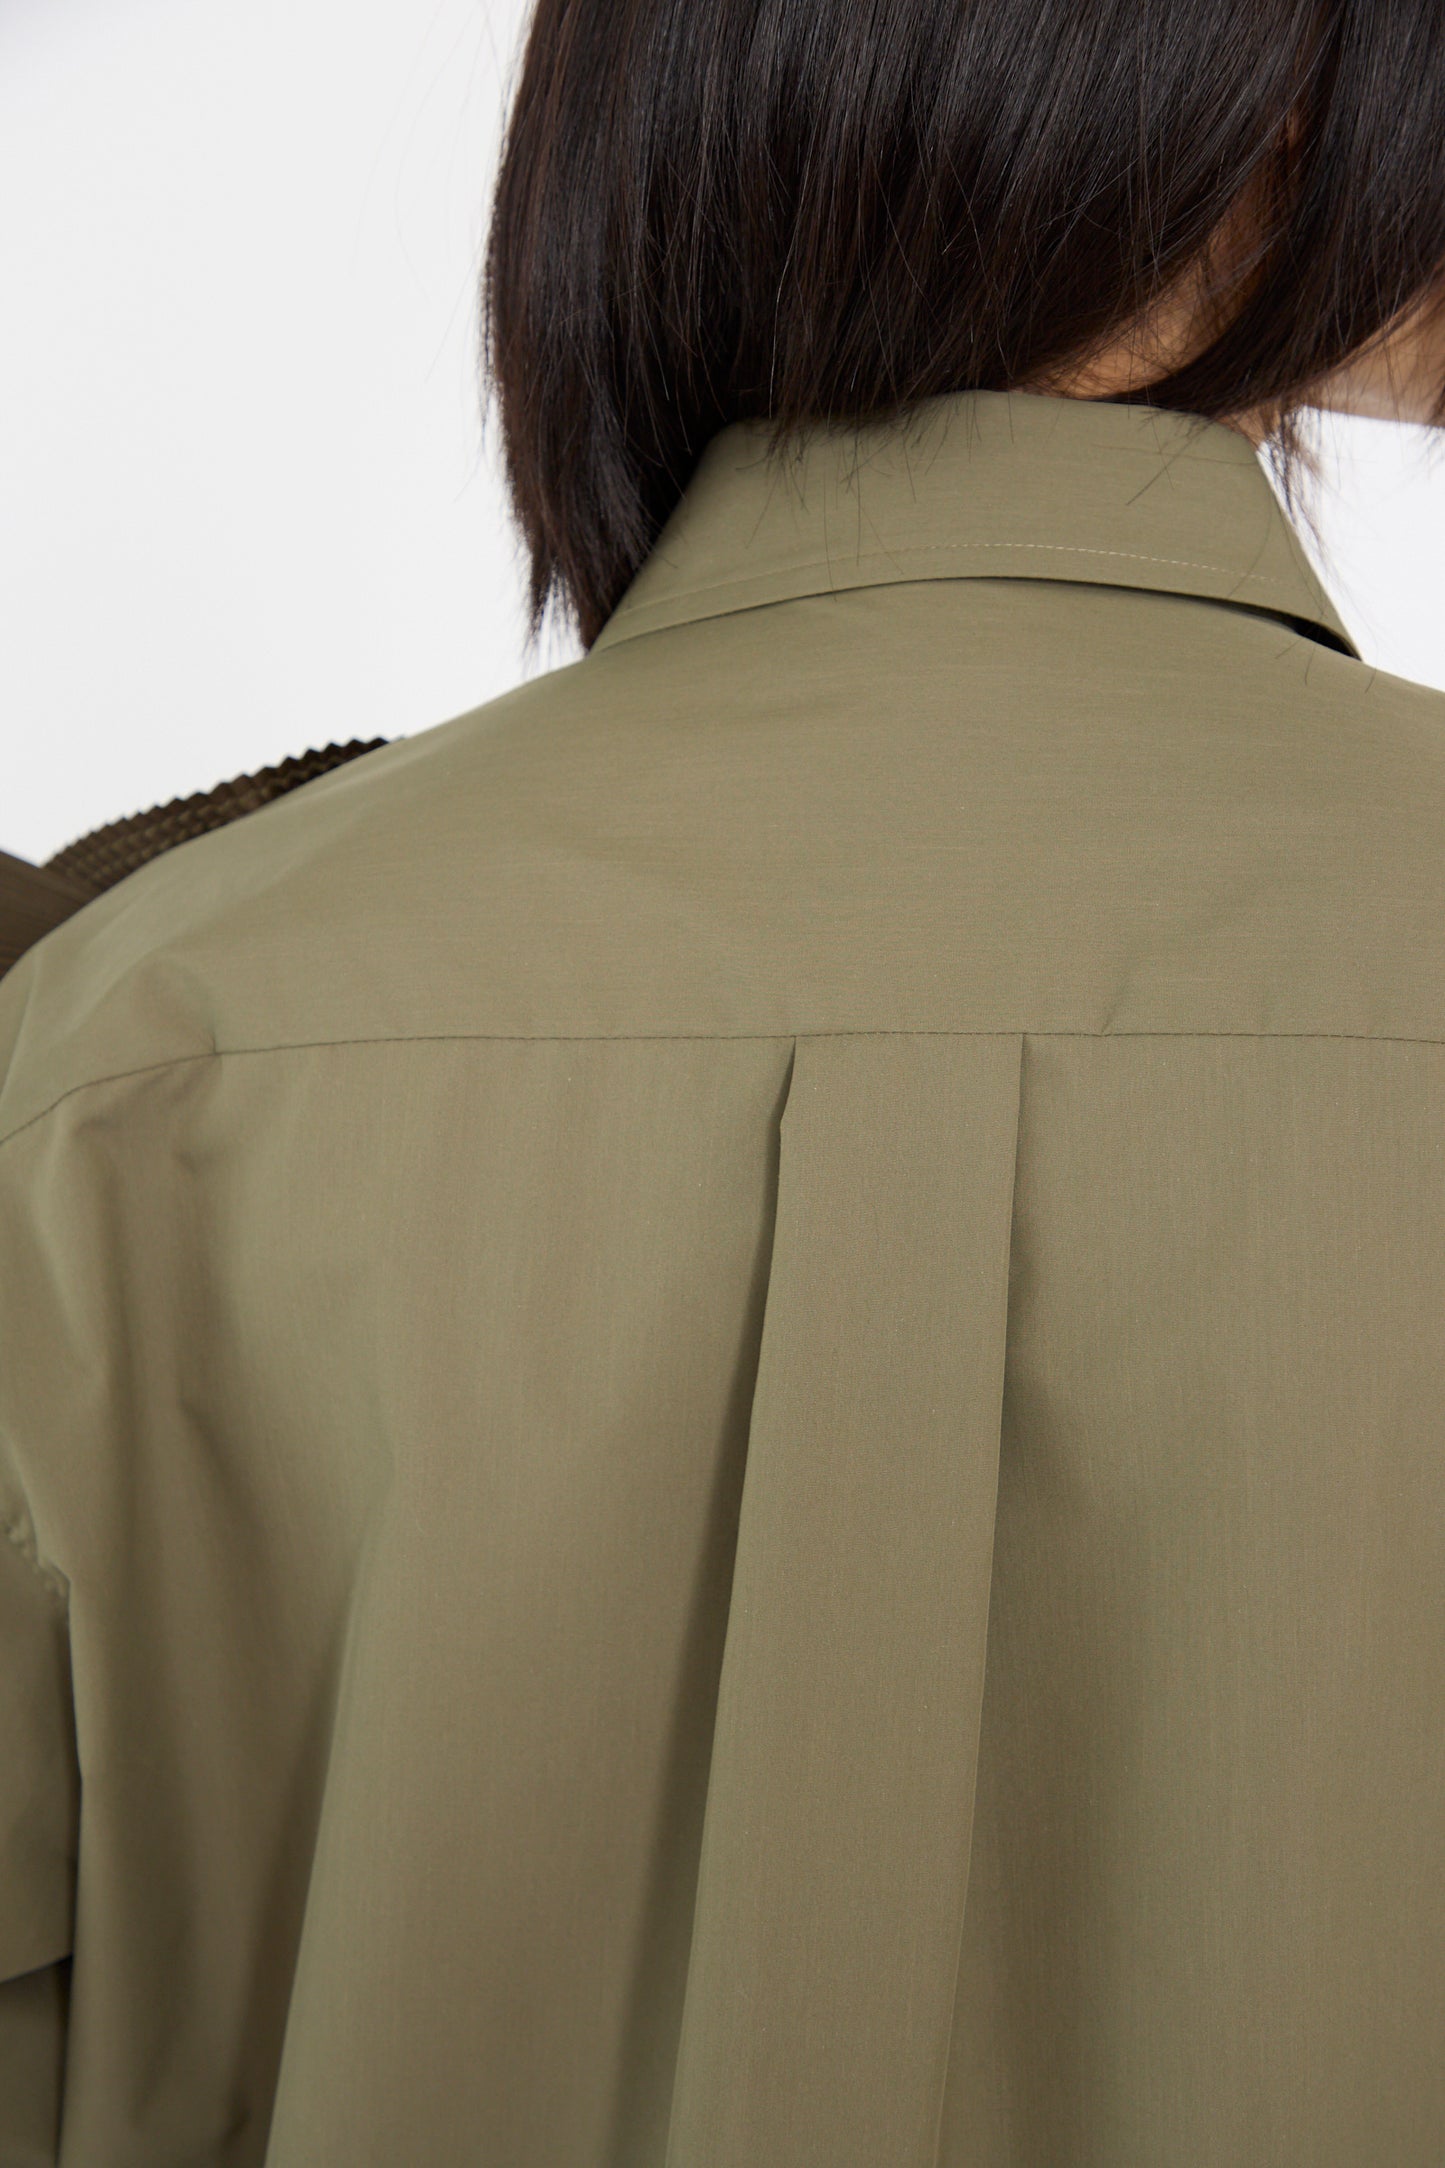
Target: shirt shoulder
{"points": [[150, 971], [1085, 810]]}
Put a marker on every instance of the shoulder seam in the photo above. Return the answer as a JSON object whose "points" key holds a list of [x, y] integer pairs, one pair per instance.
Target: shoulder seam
{"points": [[118, 1076], [602, 1038]]}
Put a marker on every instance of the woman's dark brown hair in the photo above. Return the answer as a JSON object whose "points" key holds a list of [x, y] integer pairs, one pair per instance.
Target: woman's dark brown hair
{"points": [[826, 210]]}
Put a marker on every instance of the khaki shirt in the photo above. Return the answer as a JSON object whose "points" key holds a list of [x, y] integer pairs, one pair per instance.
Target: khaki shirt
{"points": [[722, 1392]]}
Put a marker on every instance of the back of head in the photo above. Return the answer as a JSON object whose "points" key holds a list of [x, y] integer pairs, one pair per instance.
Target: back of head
{"points": [[828, 210]]}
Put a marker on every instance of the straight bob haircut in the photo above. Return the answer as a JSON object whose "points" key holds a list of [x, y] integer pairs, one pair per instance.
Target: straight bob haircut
{"points": [[824, 211]]}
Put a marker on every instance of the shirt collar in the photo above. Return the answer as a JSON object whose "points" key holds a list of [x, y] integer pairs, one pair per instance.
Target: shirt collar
{"points": [[981, 485]]}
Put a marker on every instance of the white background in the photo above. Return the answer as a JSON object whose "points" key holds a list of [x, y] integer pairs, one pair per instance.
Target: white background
{"points": [[248, 505]]}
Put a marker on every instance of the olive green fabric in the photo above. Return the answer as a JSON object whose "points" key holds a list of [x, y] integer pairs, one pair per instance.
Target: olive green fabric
{"points": [[722, 1392]]}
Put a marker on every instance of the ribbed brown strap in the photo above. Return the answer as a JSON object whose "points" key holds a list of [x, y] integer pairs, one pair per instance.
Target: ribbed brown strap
{"points": [[106, 855], [34, 899]]}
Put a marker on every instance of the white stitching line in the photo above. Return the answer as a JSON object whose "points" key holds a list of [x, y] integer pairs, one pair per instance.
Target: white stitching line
{"points": [[1074, 549], [920, 549]]}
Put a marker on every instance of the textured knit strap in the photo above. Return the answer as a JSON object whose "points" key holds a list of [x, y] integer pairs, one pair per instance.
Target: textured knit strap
{"points": [[106, 855]]}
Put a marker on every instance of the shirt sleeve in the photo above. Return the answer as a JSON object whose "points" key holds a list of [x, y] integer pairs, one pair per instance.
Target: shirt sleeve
{"points": [[39, 1833]]}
